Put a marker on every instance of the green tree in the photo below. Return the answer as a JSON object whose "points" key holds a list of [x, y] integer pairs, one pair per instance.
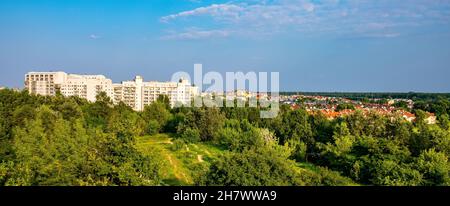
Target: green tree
{"points": [[343, 141], [48, 150], [97, 113], [252, 168], [401, 105], [165, 100], [240, 135], [295, 125], [299, 150], [207, 120], [125, 123], [435, 167], [153, 127], [345, 106], [157, 111], [190, 135], [70, 109], [391, 173]]}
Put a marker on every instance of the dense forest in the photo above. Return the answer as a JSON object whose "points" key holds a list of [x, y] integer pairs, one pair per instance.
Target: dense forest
{"points": [[70, 141]]}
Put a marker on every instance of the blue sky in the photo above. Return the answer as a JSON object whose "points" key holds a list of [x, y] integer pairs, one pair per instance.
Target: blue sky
{"points": [[316, 45]]}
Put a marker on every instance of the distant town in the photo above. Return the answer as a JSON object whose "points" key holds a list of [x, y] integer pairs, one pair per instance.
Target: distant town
{"points": [[334, 107]]}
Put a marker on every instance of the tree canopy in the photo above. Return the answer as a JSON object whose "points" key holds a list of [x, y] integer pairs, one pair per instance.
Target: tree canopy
{"points": [[69, 141]]}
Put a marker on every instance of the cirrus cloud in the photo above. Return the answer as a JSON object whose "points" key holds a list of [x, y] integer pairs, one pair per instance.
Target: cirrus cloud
{"points": [[195, 34], [364, 18]]}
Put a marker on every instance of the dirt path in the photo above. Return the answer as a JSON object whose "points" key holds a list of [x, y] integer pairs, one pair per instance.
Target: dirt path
{"points": [[177, 172], [200, 158]]}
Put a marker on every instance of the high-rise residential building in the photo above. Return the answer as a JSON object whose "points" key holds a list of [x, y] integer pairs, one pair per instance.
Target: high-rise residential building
{"points": [[130, 93], [136, 94], [83, 86], [44, 83]]}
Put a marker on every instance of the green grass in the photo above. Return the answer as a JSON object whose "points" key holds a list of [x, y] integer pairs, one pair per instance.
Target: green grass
{"points": [[183, 164]]}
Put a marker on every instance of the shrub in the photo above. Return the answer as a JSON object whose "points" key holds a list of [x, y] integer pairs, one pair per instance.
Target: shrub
{"points": [[153, 127], [178, 145], [191, 135]]}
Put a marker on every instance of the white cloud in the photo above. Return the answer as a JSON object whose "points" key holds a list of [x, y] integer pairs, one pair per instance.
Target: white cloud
{"points": [[222, 11], [391, 35], [195, 34], [94, 36], [380, 18]]}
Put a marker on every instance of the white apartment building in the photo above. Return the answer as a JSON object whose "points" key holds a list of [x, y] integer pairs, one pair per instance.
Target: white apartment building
{"points": [[83, 86], [87, 86], [136, 94], [44, 83]]}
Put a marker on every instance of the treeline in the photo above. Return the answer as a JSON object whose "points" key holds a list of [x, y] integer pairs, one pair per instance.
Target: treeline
{"points": [[374, 95], [69, 141]]}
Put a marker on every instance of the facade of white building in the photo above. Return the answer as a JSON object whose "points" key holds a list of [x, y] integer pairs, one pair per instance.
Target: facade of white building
{"points": [[87, 86], [44, 83], [136, 94], [83, 86]]}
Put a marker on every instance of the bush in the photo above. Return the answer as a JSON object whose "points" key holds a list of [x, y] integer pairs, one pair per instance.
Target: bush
{"points": [[178, 145], [256, 167], [191, 135], [390, 173], [435, 167], [153, 127], [299, 150], [320, 176]]}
